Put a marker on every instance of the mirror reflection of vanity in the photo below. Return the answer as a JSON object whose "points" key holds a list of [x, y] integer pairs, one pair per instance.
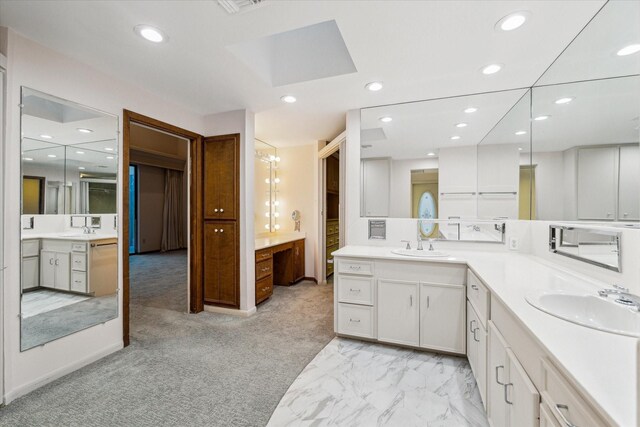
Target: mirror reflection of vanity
{"points": [[69, 274], [565, 149]]}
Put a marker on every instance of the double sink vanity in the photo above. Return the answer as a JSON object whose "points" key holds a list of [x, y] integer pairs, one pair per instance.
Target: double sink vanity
{"points": [[532, 367]]}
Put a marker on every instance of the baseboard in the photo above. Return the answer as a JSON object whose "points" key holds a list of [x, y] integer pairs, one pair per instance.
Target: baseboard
{"points": [[311, 279], [231, 311], [59, 373]]}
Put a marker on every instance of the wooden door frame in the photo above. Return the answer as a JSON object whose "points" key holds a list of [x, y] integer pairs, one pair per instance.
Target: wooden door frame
{"points": [[196, 303]]}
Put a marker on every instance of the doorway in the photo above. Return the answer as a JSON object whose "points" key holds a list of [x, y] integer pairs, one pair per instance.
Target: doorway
{"points": [[179, 171]]}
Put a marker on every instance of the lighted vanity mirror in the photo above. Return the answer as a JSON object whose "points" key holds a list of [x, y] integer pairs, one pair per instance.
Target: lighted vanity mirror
{"points": [[585, 128], [420, 159], [266, 188], [594, 246], [69, 243]]}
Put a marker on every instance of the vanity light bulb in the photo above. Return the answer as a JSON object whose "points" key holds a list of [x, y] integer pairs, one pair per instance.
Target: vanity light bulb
{"points": [[267, 227], [277, 159], [267, 181], [272, 158], [277, 180], [276, 214], [81, 168], [267, 214], [276, 203], [266, 203], [277, 226], [521, 132]]}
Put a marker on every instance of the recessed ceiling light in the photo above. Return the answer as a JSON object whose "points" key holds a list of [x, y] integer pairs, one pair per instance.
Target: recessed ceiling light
{"points": [[79, 152], [519, 148], [289, 99], [431, 154], [491, 69], [541, 118], [564, 100], [46, 136], [521, 132], [84, 130], [150, 33], [29, 159], [385, 119], [53, 156], [471, 110], [108, 149], [461, 125], [512, 21], [81, 168], [109, 157], [454, 137], [374, 86], [629, 50]]}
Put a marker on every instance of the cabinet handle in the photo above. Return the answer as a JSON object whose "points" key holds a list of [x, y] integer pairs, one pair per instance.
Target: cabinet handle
{"points": [[50, 261], [57, 262], [474, 287], [427, 301], [354, 290], [566, 421], [410, 300], [506, 386], [354, 320], [471, 326], [354, 267], [497, 380], [474, 335]]}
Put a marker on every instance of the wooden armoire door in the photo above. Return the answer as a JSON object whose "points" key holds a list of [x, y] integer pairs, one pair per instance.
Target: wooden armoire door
{"points": [[221, 232]]}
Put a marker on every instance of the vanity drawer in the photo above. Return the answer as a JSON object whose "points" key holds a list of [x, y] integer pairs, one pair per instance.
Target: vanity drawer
{"points": [[355, 289], [356, 320], [263, 269], [79, 247], [264, 289], [352, 266], [78, 262], [564, 401], [333, 240], [30, 248], [263, 254], [78, 281], [479, 296]]}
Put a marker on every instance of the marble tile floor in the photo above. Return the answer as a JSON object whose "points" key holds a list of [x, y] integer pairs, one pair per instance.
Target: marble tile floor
{"points": [[354, 383], [43, 301]]}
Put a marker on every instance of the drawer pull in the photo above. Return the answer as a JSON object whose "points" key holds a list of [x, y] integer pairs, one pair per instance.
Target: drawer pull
{"points": [[471, 326], [474, 287], [354, 290], [354, 320], [77, 281], [410, 300], [474, 335], [497, 368], [264, 269], [354, 267], [560, 408], [506, 386], [428, 303]]}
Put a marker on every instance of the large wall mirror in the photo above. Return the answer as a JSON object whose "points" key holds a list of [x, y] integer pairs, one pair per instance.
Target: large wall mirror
{"points": [[69, 274], [266, 188]]}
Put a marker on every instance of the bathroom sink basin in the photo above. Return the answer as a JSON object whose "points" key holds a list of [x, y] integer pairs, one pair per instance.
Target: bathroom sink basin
{"points": [[422, 254], [588, 310]]}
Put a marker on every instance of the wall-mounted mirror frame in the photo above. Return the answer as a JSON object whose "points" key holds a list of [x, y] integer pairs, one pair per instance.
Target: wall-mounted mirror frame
{"points": [[69, 274], [591, 245], [266, 184]]}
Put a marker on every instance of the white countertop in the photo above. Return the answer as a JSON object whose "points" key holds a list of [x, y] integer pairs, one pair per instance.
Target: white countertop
{"points": [[278, 239], [606, 365], [69, 236]]}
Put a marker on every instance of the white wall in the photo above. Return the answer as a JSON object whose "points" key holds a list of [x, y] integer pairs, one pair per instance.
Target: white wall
{"points": [[298, 173], [37, 67], [150, 208], [401, 184], [242, 122]]}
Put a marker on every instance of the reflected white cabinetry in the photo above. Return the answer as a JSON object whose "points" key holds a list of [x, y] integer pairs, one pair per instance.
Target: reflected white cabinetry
{"points": [[376, 182], [416, 304], [597, 182], [629, 197], [30, 264]]}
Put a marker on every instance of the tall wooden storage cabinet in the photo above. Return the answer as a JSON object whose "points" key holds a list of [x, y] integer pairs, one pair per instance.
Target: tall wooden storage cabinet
{"points": [[221, 231]]}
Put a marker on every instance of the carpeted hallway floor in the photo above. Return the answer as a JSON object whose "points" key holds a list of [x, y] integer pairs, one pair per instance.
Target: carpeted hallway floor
{"points": [[190, 370]]}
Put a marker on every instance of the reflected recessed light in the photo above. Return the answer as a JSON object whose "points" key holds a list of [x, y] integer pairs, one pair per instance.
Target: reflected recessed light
{"points": [[564, 100], [150, 33], [374, 86], [519, 148], [512, 21], [109, 157], [108, 149], [28, 159], [53, 156], [540, 118], [454, 137], [84, 130], [46, 136], [491, 69], [521, 132], [79, 152], [385, 119], [471, 110], [289, 99], [81, 168], [629, 50], [431, 154], [461, 125]]}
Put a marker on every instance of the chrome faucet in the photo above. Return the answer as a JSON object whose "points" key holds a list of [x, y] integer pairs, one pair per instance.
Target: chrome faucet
{"points": [[87, 230], [622, 296], [431, 244], [408, 244], [420, 248]]}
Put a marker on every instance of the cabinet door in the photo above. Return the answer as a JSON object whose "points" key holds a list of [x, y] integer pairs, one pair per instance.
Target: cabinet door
{"points": [[477, 350], [521, 395], [375, 187], [228, 265], [221, 177], [298, 260], [398, 312], [442, 317], [63, 271], [497, 378], [30, 272], [597, 183], [212, 259], [48, 269], [629, 187]]}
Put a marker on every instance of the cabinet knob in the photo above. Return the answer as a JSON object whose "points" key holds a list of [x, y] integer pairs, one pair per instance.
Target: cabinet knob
{"points": [[215, 230], [215, 210], [222, 230], [221, 210]]}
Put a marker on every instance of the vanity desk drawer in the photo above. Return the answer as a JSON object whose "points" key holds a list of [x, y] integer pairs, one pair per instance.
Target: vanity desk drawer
{"points": [[78, 262], [355, 289], [79, 247], [479, 296], [351, 266], [263, 255], [78, 281], [263, 269], [355, 320]]}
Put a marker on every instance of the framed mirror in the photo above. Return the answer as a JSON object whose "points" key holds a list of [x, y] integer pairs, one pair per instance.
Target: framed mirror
{"points": [[266, 185], [69, 274]]}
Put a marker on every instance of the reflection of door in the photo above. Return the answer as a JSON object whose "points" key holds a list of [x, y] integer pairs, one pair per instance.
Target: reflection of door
{"points": [[133, 208], [32, 195], [527, 199], [419, 209]]}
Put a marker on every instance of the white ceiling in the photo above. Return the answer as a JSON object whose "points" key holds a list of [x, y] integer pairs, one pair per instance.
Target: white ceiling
{"points": [[420, 50]]}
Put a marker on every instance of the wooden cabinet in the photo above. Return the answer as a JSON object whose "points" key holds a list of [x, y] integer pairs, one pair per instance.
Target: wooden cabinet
{"points": [[221, 264], [264, 274], [332, 242], [333, 174], [279, 265], [298, 260], [442, 317], [398, 312], [221, 279]]}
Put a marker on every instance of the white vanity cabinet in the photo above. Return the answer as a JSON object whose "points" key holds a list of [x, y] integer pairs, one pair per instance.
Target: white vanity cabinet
{"points": [[54, 269], [628, 195], [30, 264], [477, 350], [417, 304]]}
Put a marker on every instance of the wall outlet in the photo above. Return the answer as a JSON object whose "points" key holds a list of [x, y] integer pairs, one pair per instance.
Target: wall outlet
{"points": [[514, 243]]}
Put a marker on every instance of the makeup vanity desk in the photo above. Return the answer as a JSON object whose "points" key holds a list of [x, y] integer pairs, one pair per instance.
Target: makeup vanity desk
{"points": [[279, 261]]}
